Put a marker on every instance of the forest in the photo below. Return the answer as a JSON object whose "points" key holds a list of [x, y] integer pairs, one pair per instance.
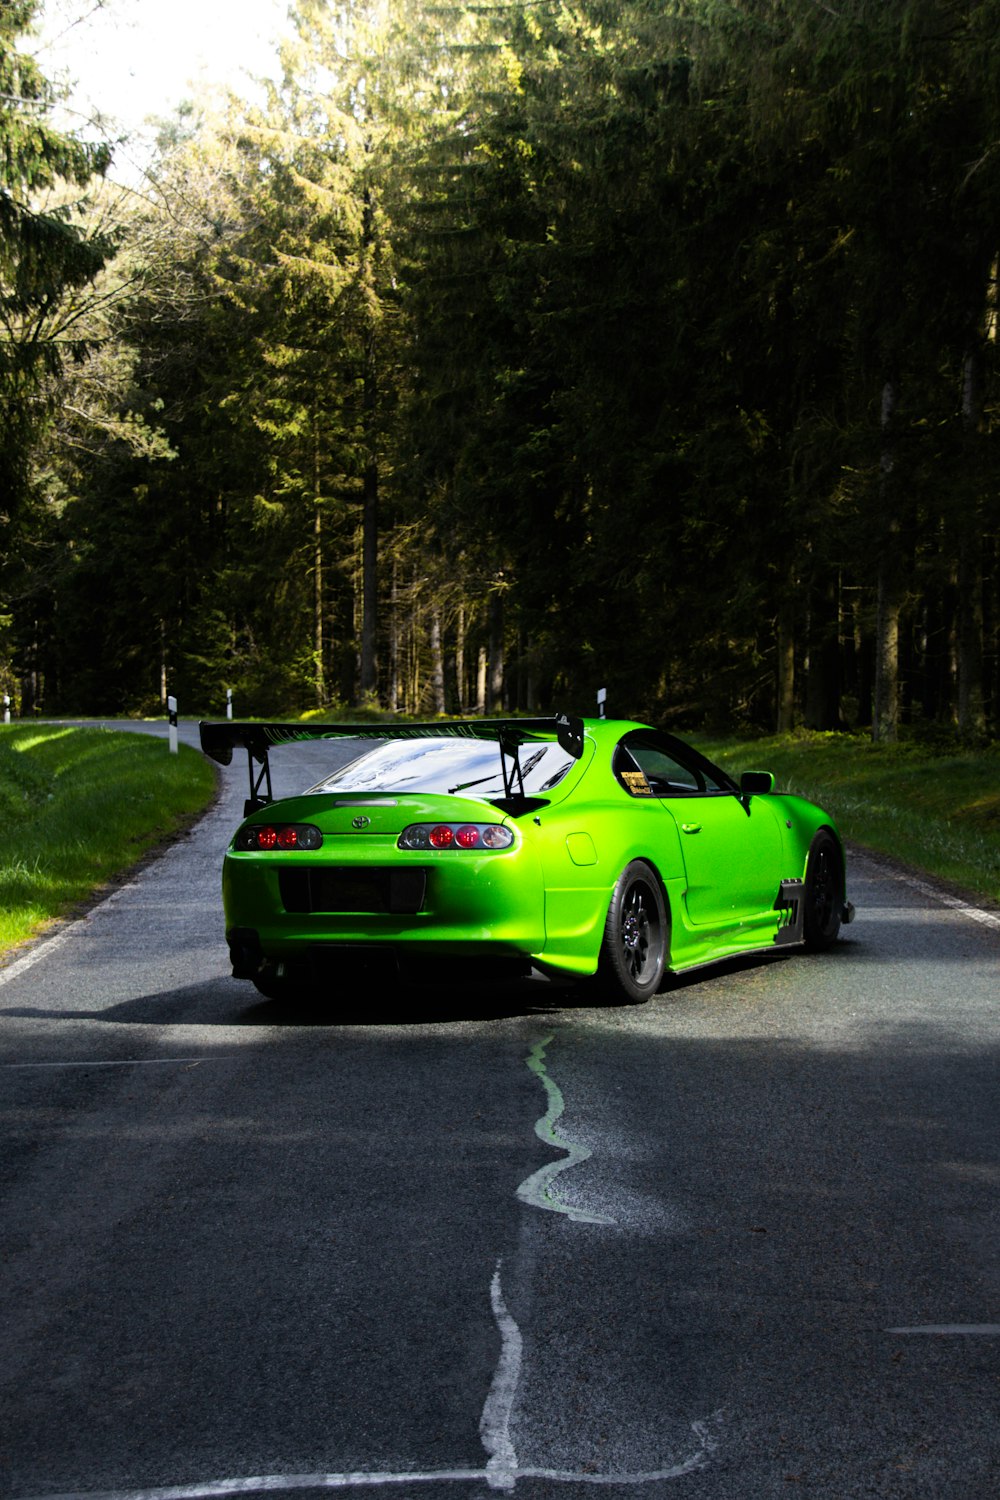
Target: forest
{"points": [[508, 350]]}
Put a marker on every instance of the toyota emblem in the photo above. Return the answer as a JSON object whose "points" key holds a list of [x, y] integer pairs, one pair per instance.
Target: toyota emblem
{"points": [[360, 821]]}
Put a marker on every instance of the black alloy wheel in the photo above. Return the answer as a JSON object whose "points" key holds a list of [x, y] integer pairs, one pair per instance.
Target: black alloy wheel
{"points": [[824, 892], [634, 949]]}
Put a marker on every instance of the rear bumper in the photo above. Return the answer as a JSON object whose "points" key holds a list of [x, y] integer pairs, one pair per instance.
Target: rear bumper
{"points": [[317, 961], [450, 904]]}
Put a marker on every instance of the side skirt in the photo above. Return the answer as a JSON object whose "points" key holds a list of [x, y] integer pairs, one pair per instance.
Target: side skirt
{"points": [[721, 958], [698, 947]]}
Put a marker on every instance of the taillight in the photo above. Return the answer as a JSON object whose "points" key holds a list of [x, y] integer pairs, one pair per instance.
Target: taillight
{"points": [[456, 836], [284, 836]]}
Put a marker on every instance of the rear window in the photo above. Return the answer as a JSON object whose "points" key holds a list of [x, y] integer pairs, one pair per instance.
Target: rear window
{"points": [[448, 765]]}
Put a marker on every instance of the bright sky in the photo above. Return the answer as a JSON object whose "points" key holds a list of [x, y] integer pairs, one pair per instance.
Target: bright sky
{"points": [[134, 58]]}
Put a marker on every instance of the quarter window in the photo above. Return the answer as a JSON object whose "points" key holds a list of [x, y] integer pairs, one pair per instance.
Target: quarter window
{"points": [[647, 768]]}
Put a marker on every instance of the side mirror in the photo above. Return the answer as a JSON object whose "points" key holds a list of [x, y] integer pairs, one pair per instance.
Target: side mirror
{"points": [[756, 783]]}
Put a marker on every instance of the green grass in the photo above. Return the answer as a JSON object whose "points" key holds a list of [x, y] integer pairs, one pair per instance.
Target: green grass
{"points": [[937, 810], [78, 807]]}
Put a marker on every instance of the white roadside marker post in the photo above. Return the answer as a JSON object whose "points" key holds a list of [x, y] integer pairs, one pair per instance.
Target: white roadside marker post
{"points": [[172, 719], [229, 703]]}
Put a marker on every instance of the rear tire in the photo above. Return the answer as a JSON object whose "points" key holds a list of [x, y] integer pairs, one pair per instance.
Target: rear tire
{"points": [[824, 894], [634, 947]]}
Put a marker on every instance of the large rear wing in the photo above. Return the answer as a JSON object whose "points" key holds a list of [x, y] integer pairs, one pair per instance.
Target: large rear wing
{"points": [[219, 738]]}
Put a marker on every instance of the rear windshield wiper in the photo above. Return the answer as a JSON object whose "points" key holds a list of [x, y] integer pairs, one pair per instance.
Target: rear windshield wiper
{"points": [[464, 786]]}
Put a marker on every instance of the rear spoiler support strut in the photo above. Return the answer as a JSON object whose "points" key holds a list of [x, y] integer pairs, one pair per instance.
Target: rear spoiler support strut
{"points": [[256, 801], [514, 772]]}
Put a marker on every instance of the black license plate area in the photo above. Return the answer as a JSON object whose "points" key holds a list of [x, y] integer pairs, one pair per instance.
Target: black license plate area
{"points": [[347, 888]]}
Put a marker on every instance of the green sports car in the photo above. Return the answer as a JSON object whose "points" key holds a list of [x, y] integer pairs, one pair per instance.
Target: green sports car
{"points": [[579, 847]]}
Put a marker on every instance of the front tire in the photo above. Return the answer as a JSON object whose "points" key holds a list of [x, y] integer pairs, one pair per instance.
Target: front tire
{"points": [[634, 947], [824, 892]]}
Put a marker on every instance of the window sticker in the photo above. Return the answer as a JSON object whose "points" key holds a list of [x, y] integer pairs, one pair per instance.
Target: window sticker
{"points": [[636, 783]]}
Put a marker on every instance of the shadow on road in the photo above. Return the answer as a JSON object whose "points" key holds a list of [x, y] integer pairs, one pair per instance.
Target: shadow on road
{"points": [[371, 1001], [230, 1003]]}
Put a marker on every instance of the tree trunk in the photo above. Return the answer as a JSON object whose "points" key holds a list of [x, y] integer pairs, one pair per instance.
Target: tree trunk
{"points": [[319, 677], [437, 663], [885, 709], [785, 667], [481, 675], [495, 685], [393, 686], [369, 524], [823, 680], [460, 658], [991, 601], [971, 695], [369, 439]]}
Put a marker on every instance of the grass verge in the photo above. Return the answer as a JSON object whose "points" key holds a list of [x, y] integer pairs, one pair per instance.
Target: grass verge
{"points": [[938, 811], [80, 806]]}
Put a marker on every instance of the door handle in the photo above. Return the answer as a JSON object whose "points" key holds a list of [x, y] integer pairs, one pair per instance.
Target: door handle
{"points": [[690, 828]]}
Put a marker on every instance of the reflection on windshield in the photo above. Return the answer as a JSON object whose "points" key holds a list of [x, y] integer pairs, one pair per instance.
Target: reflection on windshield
{"points": [[447, 765]]}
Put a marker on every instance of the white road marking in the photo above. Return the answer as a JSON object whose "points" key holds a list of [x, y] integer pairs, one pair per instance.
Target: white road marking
{"points": [[536, 1189], [217, 1489], [494, 1424], [125, 1062], [501, 1472], [983, 1330], [261, 1483], [35, 955], [962, 908]]}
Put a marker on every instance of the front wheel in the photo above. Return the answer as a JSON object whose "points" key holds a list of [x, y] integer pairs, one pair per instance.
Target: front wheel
{"points": [[823, 893], [634, 947]]}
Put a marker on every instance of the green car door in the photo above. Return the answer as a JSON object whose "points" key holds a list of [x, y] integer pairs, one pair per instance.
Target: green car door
{"points": [[731, 845]]}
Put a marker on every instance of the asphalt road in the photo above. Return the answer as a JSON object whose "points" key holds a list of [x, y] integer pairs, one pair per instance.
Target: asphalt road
{"points": [[741, 1242]]}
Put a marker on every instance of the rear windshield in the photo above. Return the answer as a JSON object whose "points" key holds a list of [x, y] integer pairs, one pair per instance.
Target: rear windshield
{"points": [[448, 765]]}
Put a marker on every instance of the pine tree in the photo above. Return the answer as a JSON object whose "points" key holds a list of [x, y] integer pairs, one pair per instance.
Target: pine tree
{"points": [[46, 249]]}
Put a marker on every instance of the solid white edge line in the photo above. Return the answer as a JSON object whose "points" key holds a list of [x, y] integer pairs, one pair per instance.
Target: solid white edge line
{"points": [[124, 1062], [44, 948], [987, 1330], [953, 903]]}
